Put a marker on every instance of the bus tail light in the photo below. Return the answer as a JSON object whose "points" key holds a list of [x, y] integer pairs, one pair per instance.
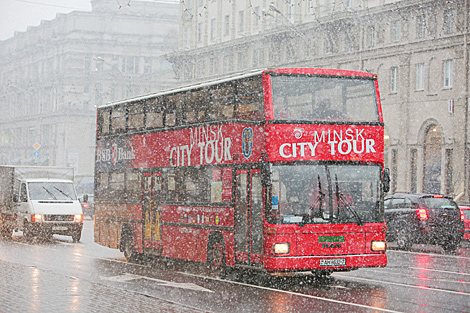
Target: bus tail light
{"points": [[36, 218], [281, 248], [462, 216], [78, 218], [378, 245], [422, 214]]}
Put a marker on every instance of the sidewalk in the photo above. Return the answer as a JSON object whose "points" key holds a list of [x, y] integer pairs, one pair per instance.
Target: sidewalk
{"points": [[28, 289]]}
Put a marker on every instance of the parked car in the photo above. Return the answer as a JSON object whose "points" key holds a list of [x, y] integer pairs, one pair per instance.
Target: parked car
{"points": [[423, 218], [465, 209]]}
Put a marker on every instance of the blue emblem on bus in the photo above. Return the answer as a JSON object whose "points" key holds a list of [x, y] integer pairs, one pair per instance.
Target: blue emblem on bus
{"points": [[247, 142]]}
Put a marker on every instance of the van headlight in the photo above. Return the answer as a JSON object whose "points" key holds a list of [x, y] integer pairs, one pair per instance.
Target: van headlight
{"points": [[281, 248], [78, 218], [36, 218], [378, 245]]}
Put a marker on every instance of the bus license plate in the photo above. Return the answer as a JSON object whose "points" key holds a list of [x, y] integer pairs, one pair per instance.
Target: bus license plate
{"points": [[332, 262], [60, 228]]}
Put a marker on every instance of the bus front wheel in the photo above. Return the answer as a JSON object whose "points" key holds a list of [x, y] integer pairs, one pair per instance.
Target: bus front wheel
{"points": [[216, 256]]}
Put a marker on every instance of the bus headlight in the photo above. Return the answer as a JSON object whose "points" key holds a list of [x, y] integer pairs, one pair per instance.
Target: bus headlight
{"points": [[281, 248], [78, 218], [36, 218], [378, 246]]}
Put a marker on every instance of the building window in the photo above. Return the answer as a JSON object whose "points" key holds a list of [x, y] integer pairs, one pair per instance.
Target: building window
{"points": [[257, 16], [448, 178], [421, 26], [199, 32], [432, 160], [130, 65], [241, 21], [420, 76], [188, 37], [255, 58], [328, 46], [227, 25], [414, 170], [394, 170], [370, 36], [213, 28], [449, 21], [241, 60], [448, 69], [291, 11], [394, 79], [395, 31], [227, 64], [310, 8]]}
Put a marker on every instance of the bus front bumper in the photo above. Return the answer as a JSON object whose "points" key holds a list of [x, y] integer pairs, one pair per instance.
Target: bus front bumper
{"points": [[327, 263]]}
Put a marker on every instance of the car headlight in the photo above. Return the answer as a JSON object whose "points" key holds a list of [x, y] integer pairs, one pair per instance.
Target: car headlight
{"points": [[378, 246], [281, 248], [78, 218]]}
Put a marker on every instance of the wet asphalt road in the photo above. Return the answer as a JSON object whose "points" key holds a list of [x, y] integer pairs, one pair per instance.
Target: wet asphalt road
{"points": [[59, 275]]}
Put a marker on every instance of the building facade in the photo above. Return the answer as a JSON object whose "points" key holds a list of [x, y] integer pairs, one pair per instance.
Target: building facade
{"points": [[418, 48], [53, 76]]}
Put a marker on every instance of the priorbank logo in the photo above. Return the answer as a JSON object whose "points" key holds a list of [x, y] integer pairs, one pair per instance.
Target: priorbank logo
{"points": [[247, 141]]}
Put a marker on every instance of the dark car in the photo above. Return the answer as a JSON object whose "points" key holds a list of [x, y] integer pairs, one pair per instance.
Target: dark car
{"points": [[423, 218]]}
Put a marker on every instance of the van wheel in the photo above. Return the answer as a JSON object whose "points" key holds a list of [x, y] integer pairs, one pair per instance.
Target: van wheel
{"points": [[403, 240], [76, 236], [216, 256], [27, 233]]}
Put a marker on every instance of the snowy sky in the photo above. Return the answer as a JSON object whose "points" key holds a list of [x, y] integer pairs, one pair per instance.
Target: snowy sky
{"points": [[17, 15]]}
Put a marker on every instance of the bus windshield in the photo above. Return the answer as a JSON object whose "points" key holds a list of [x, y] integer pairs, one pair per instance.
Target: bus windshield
{"points": [[318, 194], [316, 98]]}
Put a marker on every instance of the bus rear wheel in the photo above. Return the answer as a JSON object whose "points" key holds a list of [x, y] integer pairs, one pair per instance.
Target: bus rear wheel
{"points": [[216, 256]]}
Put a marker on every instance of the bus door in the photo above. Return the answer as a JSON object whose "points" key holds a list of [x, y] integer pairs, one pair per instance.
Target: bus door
{"points": [[152, 186], [256, 218], [248, 227]]}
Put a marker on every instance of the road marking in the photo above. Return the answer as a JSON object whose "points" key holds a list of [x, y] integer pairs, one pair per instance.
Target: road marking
{"points": [[405, 285], [440, 271], [128, 277], [295, 293]]}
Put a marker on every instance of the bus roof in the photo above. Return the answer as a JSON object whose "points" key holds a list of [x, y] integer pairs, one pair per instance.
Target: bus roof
{"points": [[293, 71]]}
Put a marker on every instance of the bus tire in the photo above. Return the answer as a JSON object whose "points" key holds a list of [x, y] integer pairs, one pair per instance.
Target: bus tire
{"points": [[216, 258], [127, 246]]}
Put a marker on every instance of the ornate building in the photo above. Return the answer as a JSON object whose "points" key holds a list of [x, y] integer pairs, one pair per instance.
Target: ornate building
{"points": [[52, 77], [418, 48]]}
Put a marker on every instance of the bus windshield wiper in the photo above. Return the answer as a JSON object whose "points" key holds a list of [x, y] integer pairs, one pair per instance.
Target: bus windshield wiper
{"points": [[316, 206], [343, 202]]}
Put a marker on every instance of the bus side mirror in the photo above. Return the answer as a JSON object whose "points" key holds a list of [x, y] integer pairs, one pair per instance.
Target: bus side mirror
{"points": [[85, 198], [386, 180], [266, 172], [15, 198]]}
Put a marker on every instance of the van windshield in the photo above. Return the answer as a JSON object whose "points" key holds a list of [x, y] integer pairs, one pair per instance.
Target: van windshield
{"points": [[51, 191]]}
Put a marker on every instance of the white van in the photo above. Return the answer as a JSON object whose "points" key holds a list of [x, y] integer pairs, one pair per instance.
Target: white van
{"points": [[44, 201]]}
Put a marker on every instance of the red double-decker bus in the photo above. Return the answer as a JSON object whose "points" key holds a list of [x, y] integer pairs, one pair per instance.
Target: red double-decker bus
{"points": [[279, 170]]}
